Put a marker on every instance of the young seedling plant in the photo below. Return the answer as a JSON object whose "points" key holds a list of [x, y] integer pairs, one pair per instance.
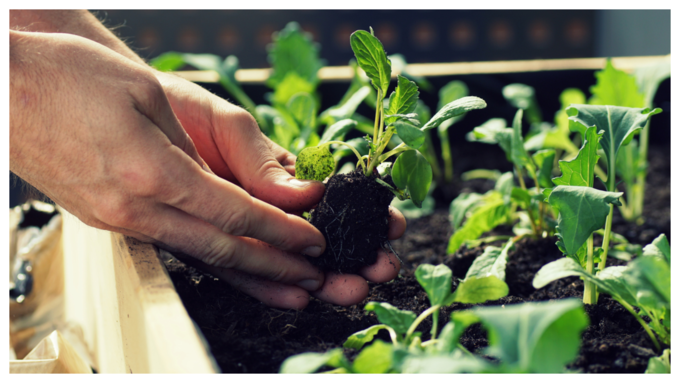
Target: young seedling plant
{"points": [[581, 208], [344, 215], [530, 337]]}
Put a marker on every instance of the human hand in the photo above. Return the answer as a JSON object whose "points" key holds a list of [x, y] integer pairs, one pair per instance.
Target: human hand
{"points": [[265, 170]]}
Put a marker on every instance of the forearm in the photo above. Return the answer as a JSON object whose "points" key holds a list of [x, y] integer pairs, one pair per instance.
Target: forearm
{"points": [[76, 22]]}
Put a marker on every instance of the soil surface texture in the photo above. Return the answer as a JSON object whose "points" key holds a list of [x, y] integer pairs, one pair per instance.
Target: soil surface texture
{"points": [[244, 335]]}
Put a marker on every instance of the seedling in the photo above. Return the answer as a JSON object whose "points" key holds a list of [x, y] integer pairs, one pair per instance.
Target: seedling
{"points": [[644, 283], [411, 172], [582, 208], [530, 337]]}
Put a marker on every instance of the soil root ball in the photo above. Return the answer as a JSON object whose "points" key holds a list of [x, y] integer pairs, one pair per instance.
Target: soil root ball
{"points": [[353, 217]]}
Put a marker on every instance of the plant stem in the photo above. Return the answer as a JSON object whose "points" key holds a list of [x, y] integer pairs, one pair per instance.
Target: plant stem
{"points": [[420, 318], [589, 288], [605, 239], [376, 125], [528, 207], [638, 198], [435, 322], [446, 155], [361, 162], [400, 148], [643, 323]]}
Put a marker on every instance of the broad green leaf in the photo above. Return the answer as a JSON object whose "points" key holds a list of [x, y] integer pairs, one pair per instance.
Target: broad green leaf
{"points": [[403, 100], [291, 85], [314, 163], [338, 130], [372, 59], [436, 281], [660, 364], [519, 155], [450, 92], [561, 268], [544, 159], [474, 290], [444, 364], [484, 218], [523, 97], [345, 109], [580, 171], [399, 320], [410, 118], [461, 205], [494, 131], [374, 359], [412, 136], [648, 79], [423, 112], [535, 337], [168, 61], [411, 211], [505, 184], [293, 50], [650, 279], [628, 165], [301, 107], [582, 211], [491, 262], [659, 248], [309, 362], [618, 123], [412, 172], [454, 109], [616, 87], [360, 338], [451, 332]]}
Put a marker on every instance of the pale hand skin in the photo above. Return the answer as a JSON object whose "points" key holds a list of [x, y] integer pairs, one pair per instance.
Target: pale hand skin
{"points": [[122, 147]]}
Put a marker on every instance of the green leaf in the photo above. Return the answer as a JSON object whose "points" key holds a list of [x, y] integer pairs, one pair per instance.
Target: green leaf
{"points": [[302, 107], [616, 87], [346, 108], [650, 279], [535, 337], [491, 262], [519, 95], [403, 100], [293, 51], [454, 109], [619, 125], [374, 359], [494, 131], [412, 136], [399, 320], [582, 211], [290, 86], [436, 281], [338, 130], [360, 338], [519, 155], [580, 171], [444, 364], [168, 62], [505, 184], [659, 248], [544, 160], [474, 290], [484, 218], [412, 172], [450, 92], [561, 268], [309, 362], [461, 206], [372, 59], [450, 334], [314, 163], [423, 112], [648, 79], [411, 211], [660, 364]]}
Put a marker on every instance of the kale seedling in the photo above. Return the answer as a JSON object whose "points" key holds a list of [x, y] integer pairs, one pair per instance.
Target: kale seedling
{"points": [[530, 337]]}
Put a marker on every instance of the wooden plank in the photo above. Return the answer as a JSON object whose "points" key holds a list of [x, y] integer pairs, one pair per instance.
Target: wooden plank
{"points": [[118, 291], [345, 73]]}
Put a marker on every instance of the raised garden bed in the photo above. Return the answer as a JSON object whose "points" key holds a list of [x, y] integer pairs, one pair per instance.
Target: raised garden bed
{"points": [[244, 335]]}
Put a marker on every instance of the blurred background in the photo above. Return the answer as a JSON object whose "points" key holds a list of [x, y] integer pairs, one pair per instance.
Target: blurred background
{"points": [[421, 36]]}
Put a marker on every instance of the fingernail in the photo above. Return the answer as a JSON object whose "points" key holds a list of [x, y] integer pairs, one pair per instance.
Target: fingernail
{"points": [[309, 284], [299, 183], [312, 251]]}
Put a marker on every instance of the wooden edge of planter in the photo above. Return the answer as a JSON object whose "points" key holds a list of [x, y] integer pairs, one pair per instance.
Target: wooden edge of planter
{"points": [[118, 290], [345, 73]]}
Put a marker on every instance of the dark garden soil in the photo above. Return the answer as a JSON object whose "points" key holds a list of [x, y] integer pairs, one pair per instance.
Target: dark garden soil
{"points": [[246, 336]]}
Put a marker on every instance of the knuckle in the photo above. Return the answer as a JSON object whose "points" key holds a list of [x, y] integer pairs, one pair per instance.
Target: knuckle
{"points": [[146, 88], [222, 253], [116, 211], [237, 221]]}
